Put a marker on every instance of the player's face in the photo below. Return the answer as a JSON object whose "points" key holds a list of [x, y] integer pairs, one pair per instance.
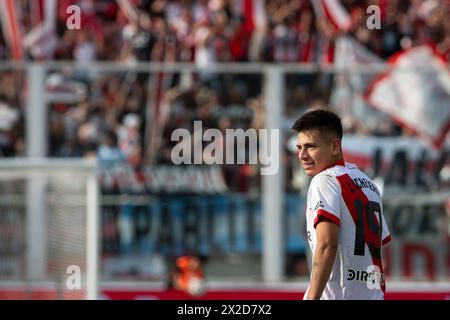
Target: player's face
{"points": [[315, 152]]}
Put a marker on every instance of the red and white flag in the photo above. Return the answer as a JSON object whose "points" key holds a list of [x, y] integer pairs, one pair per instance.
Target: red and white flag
{"points": [[334, 12], [254, 13], [41, 41], [12, 31], [128, 8], [159, 84], [255, 16], [415, 93], [349, 85], [248, 40], [36, 12]]}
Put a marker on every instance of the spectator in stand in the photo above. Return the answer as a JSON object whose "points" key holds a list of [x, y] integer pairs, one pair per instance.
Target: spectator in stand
{"points": [[129, 138], [108, 152]]}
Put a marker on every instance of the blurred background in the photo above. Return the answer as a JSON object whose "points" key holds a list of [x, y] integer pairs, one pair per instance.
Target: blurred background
{"points": [[111, 80]]}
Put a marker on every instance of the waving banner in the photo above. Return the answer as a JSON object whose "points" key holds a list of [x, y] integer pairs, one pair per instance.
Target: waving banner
{"points": [[334, 12], [415, 93], [347, 97]]}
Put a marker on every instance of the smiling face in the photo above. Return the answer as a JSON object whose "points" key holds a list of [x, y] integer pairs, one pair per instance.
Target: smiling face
{"points": [[317, 151]]}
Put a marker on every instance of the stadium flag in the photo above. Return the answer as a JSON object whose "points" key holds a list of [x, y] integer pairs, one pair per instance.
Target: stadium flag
{"points": [[128, 9], [249, 38], [334, 12], [415, 93], [331, 15], [255, 22], [347, 96], [41, 41], [9, 16], [37, 8], [159, 83]]}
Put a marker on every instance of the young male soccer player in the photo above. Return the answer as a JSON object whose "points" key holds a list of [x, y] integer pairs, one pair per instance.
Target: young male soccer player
{"points": [[344, 215]]}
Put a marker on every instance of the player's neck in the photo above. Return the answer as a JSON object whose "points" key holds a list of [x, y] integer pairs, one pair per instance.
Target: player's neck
{"points": [[339, 161]]}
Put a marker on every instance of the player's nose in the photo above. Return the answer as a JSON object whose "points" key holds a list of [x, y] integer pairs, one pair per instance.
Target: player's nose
{"points": [[302, 154]]}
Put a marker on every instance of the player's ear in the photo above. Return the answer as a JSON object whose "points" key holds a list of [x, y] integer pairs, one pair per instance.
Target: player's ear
{"points": [[336, 145]]}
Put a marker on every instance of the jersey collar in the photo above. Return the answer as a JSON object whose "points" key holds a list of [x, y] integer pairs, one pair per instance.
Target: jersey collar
{"points": [[339, 163]]}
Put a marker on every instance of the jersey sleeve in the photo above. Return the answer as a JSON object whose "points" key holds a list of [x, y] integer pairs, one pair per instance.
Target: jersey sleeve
{"points": [[325, 199], [385, 234]]}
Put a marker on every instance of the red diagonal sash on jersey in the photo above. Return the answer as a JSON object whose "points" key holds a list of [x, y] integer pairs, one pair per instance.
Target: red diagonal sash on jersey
{"points": [[352, 193]]}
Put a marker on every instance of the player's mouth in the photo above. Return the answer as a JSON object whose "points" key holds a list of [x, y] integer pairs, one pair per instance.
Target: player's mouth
{"points": [[308, 166]]}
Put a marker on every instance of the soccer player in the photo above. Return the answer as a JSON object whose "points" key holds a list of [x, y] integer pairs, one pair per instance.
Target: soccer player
{"points": [[344, 216]]}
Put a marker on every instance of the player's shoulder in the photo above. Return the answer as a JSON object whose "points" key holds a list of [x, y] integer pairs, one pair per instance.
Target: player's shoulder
{"points": [[340, 169], [331, 175], [353, 170], [324, 178]]}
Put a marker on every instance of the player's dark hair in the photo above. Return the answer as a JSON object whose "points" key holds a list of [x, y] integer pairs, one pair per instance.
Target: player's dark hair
{"points": [[323, 120]]}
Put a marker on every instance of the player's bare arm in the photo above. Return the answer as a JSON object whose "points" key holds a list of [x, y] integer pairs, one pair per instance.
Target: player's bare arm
{"points": [[323, 260]]}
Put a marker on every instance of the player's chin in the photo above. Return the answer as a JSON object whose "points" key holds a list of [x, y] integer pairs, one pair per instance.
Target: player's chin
{"points": [[311, 171]]}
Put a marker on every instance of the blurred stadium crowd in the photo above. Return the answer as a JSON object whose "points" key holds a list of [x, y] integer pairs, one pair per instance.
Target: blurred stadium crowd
{"points": [[111, 116], [128, 116]]}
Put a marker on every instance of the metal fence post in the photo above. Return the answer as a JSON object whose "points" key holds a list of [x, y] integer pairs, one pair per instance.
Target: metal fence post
{"points": [[273, 253]]}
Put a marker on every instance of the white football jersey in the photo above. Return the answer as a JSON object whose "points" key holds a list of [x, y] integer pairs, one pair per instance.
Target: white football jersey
{"points": [[346, 196]]}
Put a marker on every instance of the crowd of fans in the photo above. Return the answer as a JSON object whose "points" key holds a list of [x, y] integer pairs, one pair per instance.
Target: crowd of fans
{"points": [[207, 31], [112, 117]]}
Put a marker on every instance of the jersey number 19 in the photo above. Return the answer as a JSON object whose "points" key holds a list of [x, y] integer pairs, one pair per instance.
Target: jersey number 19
{"points": [[368, 229]]}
